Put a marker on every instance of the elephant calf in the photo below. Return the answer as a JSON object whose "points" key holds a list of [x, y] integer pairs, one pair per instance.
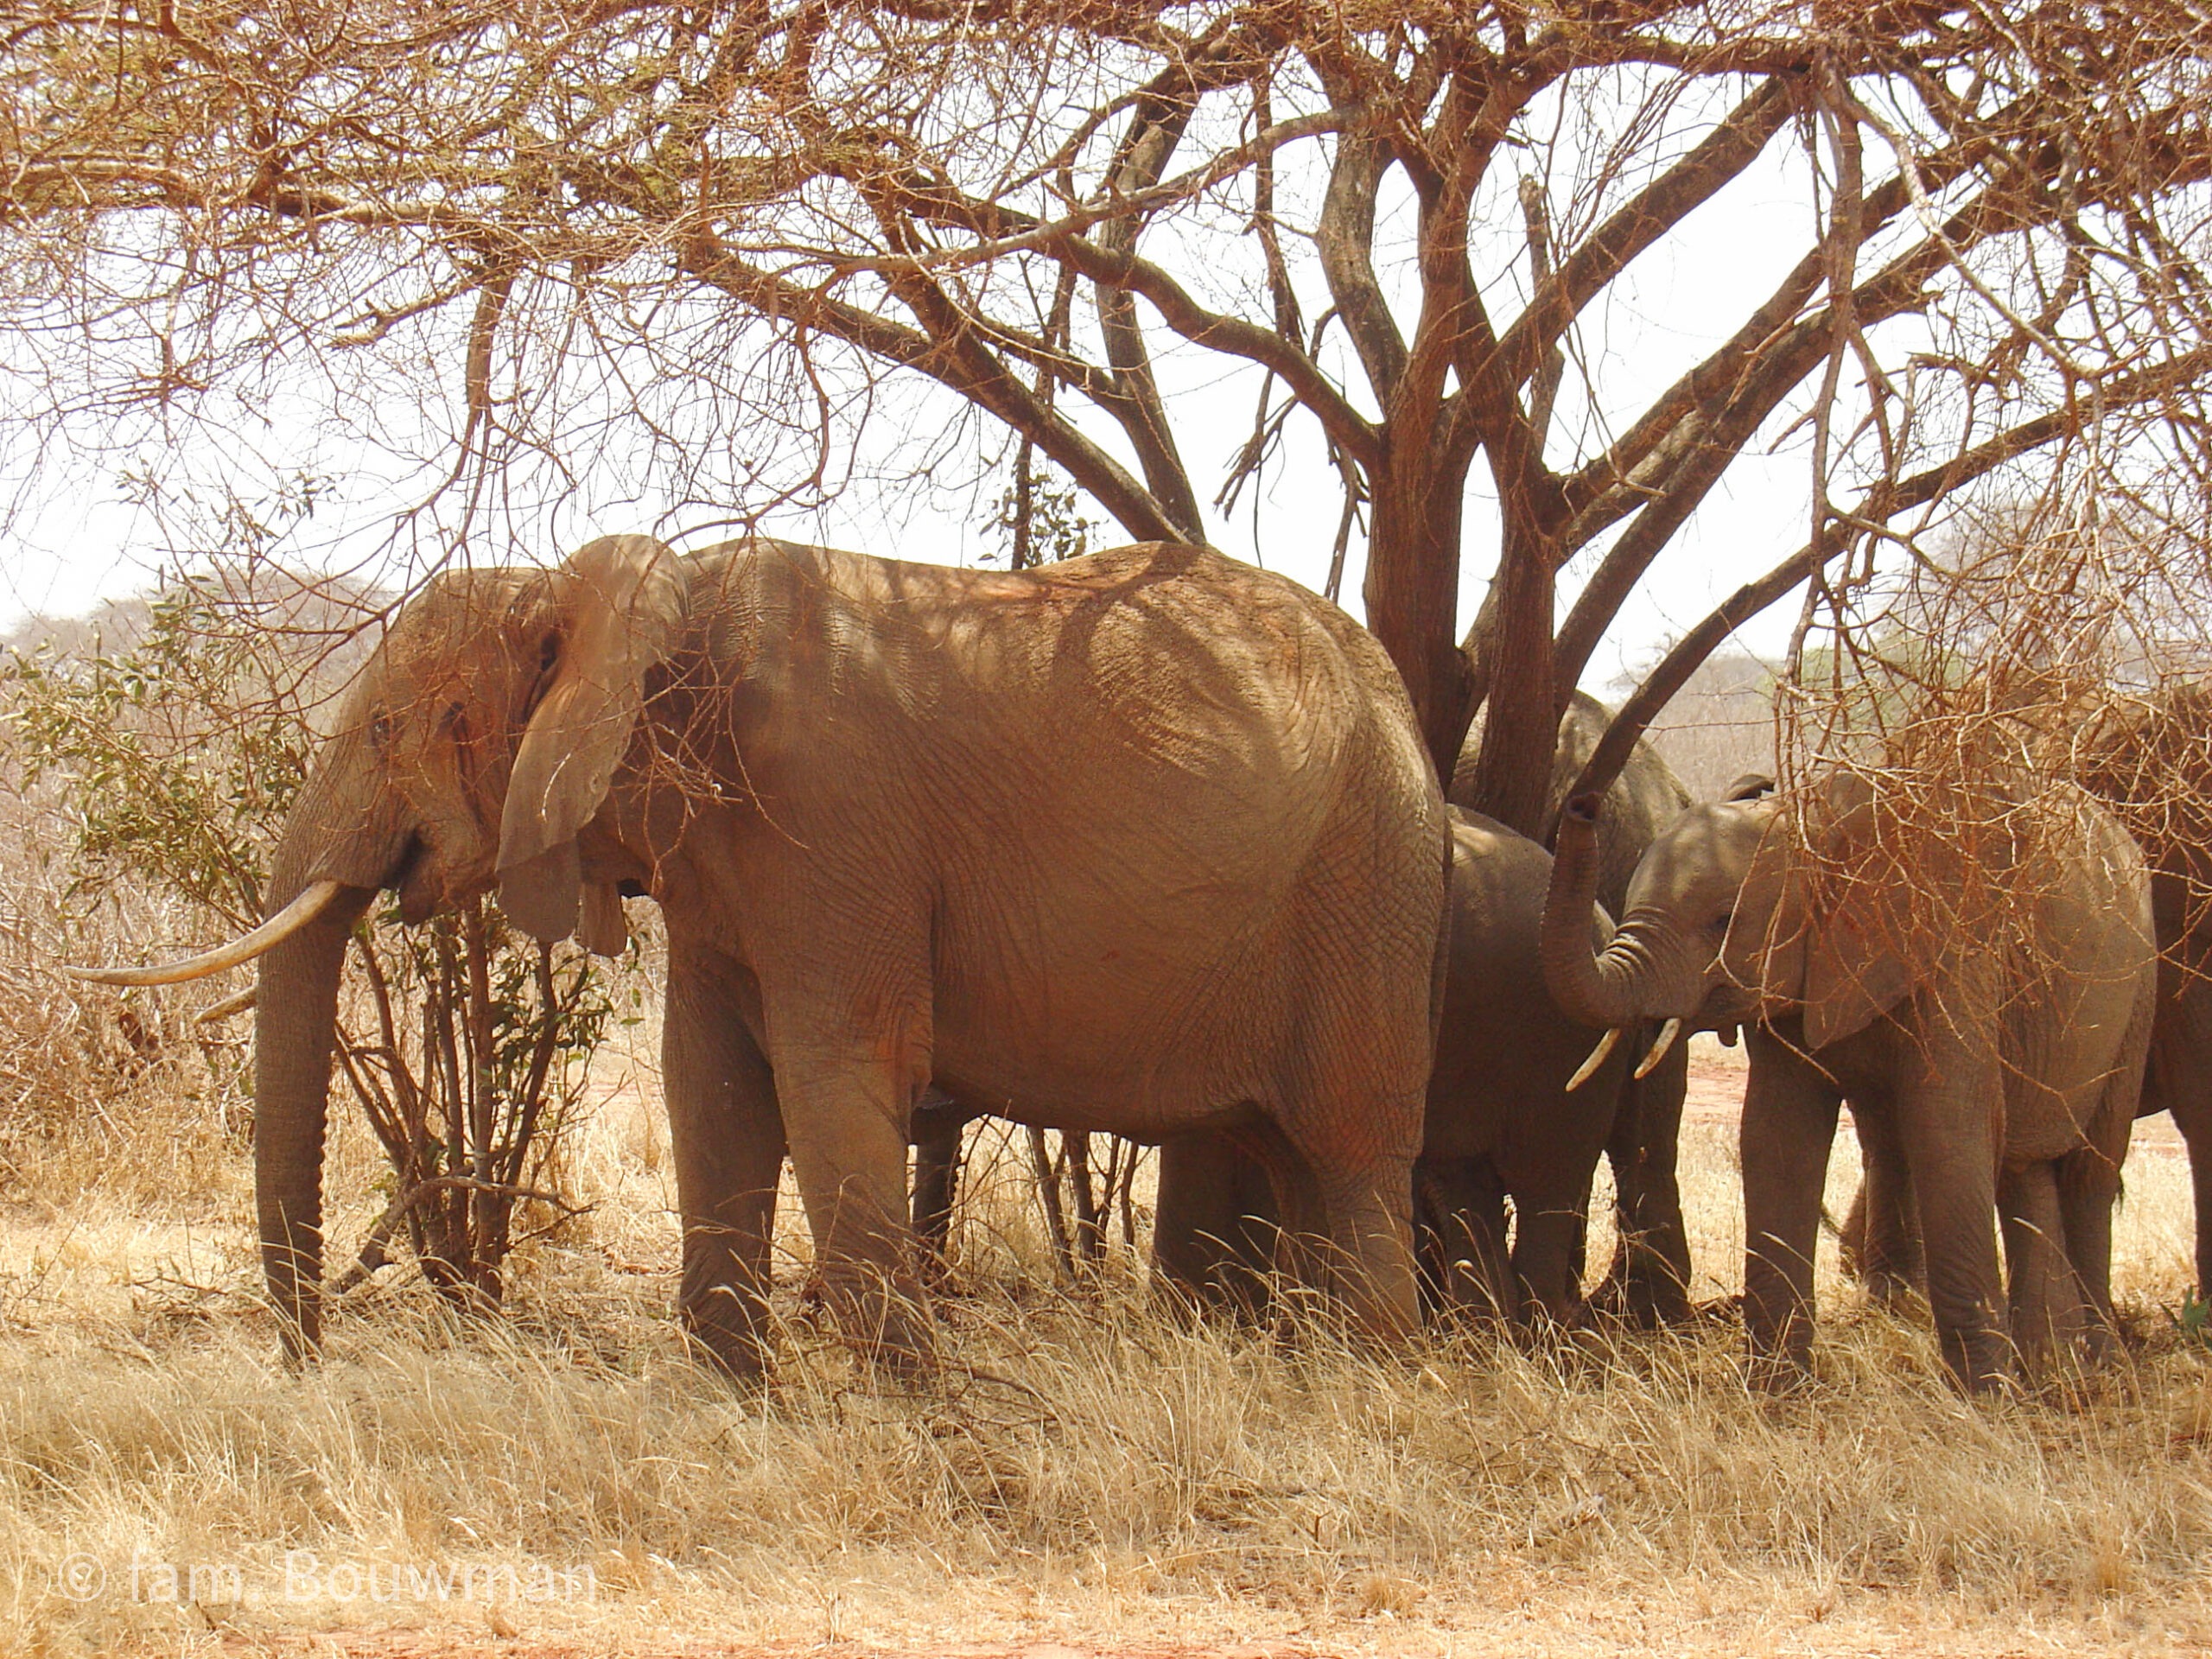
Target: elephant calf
{"points": [[1648, 1280]]}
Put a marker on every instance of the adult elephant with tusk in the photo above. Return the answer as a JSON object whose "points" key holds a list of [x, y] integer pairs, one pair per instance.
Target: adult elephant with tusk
{"points": [[1139, 843], [1971, 966], [1648, 1282]]}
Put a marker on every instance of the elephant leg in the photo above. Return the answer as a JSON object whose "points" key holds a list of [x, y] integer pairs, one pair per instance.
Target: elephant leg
{"points": [[938, 1127], [1648, 1280], [1789, 1116], [846, 1122], [2196, 1126], [1948, 1114], [1546, 1230], [1213, 1236], [1887, 1258], [2186, 1091], [2088, 1186], [1459, 1229], [727, 1135], [2179, 1077], [2042, 1299], [1852, 1235], [1370, 1262]]}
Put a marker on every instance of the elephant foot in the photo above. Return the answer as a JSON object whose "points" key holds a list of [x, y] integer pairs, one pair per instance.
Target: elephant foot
{"points": [[1894, 1292], [1648, 1300], [742, 1366], [1980, 1369], [892, 1335], [727, 1346], [881, 1316]]}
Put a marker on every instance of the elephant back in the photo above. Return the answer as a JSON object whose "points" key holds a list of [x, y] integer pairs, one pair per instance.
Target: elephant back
{"points": [[1643, 800]]}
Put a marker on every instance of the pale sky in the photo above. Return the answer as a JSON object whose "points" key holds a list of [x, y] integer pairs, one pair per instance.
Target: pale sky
{"points": [[75, 539]]}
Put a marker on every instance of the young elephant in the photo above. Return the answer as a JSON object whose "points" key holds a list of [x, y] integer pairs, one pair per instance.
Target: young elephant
{"points": [[1977, 979], [1502, 1121]]}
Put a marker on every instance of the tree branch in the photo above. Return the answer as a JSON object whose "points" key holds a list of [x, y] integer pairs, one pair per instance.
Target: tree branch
{"points": [[959, 362], [1655, 211], [1674, 669], [1154, 131]]}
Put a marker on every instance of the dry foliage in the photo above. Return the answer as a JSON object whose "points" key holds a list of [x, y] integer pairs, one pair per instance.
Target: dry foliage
{"points": [[1086, 1470]]}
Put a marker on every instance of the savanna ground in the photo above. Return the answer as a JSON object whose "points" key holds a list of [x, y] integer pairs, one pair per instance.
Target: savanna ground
{"points": [[1088, 1477]]}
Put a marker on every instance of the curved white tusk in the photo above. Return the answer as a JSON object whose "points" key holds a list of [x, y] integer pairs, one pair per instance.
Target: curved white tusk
{"points": [[229, 1006], [1667, 1033], [278, 928], [1606, 1044]]}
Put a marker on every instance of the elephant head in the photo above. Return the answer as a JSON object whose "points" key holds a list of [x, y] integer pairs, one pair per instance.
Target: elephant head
{"points": [[470, 751], [1746, 908]]}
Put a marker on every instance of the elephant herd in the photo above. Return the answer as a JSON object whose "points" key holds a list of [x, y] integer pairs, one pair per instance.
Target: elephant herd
{"points": [[1147, 842]]}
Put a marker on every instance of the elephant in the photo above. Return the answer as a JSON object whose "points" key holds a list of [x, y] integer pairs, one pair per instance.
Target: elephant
{"points": [[1214, 1212], [1511, 1110], [1975, 973], [1503, 1120], [2150, 760], [1648, 1282], [1138, 842]]}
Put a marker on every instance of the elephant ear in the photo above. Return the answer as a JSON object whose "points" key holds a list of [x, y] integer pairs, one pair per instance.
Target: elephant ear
{"points": [[1764, 949], [620, 603], [1860, 948]]}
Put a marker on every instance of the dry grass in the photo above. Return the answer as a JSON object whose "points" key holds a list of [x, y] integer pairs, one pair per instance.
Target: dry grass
{"points": [[1089, 1472]]}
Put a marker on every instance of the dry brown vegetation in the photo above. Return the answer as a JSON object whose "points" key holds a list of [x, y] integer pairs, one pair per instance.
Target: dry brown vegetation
{"points": [[701, 245], [1088, 1471]]}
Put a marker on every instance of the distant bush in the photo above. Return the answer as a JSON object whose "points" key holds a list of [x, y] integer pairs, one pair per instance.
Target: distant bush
{"points": [[170, 763]]}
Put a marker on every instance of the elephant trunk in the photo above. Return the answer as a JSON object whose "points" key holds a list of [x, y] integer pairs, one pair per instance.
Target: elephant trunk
{"points": [[1640, 973], [328, 836], [295, 1023]]}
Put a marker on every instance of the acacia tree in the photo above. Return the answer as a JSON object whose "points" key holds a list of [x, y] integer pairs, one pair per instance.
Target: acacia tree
{"points": [[711, 238]]}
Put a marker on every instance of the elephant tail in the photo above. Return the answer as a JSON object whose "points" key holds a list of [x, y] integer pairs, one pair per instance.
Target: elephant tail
{"points": [[1442, 965]]}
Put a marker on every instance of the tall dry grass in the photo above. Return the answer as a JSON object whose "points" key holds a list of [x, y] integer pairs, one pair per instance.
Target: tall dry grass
{"points": [[1085, 1468]]}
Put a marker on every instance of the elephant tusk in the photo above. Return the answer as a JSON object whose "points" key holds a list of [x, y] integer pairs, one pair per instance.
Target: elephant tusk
{"points": [[278, 928], [1583, 1073], [1667, 1033], [229, 1006]]}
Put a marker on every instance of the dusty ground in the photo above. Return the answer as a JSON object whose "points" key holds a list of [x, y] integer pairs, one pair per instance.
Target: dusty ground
{"points": [[1089, 1481]]}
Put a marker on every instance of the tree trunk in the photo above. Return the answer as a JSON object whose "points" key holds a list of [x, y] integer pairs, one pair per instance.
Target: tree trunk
{"points": [[1412, 591], [1521, 728]]}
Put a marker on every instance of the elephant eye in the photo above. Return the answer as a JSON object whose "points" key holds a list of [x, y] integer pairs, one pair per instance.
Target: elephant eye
{"points": [[380, 730], [455, 721]]}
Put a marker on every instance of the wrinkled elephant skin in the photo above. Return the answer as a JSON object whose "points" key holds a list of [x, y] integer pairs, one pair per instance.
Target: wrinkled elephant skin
{"points": [[1141, 842], [1986, 1012], [1502, 1122]]}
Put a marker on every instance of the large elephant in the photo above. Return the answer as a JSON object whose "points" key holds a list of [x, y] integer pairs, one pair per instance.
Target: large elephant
{"points": [[1138, 842], [1648, 1282], [1502, 1121], [1976, 975]]}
